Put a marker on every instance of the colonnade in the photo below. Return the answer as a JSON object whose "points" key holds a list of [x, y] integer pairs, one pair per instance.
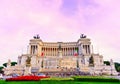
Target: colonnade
{"points": [[52, 51], [34, 49], [87, 49]]}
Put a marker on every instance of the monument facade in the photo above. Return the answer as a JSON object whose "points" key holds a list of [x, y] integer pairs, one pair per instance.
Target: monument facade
{"points": [[63, 56]]}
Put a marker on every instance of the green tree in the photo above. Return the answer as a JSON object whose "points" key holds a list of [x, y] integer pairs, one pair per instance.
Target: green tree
{"points": [[5, 64], [118, 69], [117, 66], [107, 62], [1, 67], [12, 64]]}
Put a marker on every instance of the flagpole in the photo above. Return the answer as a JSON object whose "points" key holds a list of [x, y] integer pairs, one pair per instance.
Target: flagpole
{"points": [[92, 49], [27, 49]]}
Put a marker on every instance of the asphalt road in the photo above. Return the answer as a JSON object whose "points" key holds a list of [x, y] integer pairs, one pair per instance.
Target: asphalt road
{"points": [[118, 77]]}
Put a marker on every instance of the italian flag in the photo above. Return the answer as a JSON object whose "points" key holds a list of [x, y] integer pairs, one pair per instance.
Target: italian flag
{"points": [[76, 52], [42, 54]]}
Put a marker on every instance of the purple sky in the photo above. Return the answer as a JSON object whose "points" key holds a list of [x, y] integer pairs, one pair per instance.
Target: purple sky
{"points": [[59, 20]]}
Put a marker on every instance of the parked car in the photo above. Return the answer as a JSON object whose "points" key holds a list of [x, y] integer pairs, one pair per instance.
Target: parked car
{"points": [[118, 74], [41, 74], [15, 75], [6, 76], [9, 76], [1, 76]]}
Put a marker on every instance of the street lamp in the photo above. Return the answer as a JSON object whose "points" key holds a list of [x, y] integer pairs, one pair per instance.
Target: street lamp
{"points": [[111, 70], [23, 71]]}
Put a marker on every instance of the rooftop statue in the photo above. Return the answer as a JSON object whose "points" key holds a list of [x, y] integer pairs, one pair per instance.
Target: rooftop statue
{"points": [[83, 36], [36, 37]]}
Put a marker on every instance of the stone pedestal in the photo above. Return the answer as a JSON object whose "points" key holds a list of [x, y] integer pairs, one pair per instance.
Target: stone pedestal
{"points": [[60, 53], [91, 70], [27, 70]]}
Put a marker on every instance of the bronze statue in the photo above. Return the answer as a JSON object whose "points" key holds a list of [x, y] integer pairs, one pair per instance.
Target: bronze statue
{"points": [[28, 61], [36, 37], [83, 36], [60, 47]]}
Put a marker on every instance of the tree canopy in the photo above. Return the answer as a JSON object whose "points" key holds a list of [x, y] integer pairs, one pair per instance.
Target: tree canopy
{"points": [[5, 64], [117, 66], [12, 64], [1, 67], [107, 62]]}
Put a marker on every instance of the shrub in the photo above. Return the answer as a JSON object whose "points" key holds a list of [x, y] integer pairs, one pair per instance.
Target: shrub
{"points": [[59, 79], [95, 79]]}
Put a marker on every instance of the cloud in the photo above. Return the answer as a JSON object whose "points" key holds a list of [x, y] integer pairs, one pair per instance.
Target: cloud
{"points": [[59, 20]]}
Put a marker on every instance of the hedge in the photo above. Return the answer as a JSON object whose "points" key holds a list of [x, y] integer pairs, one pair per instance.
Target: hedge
{"points": [[59, 79], [95, 79]]}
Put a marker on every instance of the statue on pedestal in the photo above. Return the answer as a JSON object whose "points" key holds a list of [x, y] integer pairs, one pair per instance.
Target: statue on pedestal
{"points": [[91, 61], [60, 51], [9, 63], [28, 62], [28, 66]]}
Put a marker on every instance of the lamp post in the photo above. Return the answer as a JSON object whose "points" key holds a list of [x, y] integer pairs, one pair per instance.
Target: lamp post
{"points": [[23, 71], [111, 70], [111, 64]]}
